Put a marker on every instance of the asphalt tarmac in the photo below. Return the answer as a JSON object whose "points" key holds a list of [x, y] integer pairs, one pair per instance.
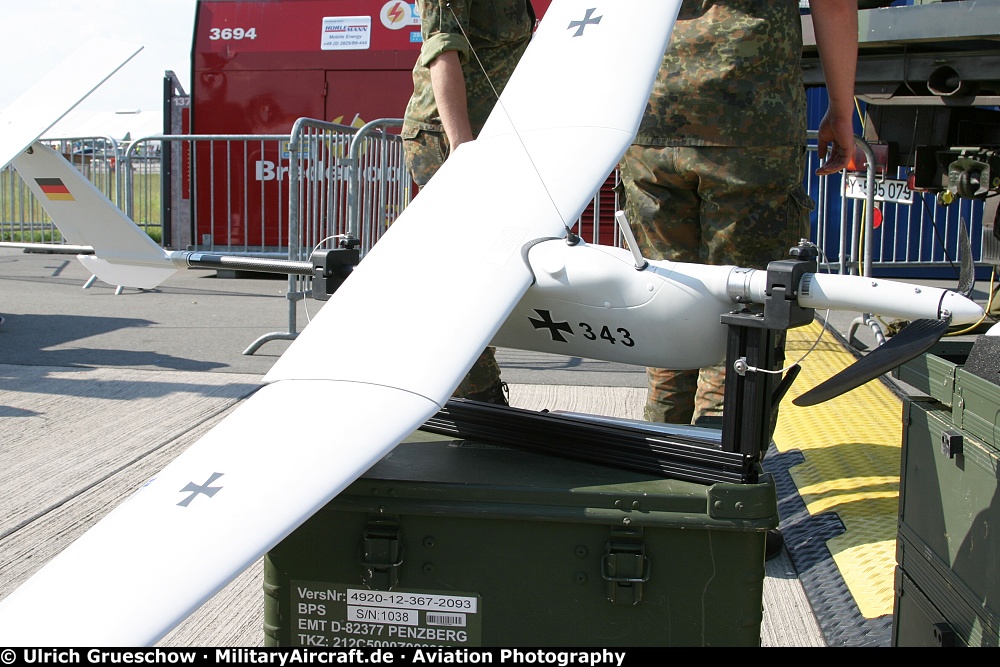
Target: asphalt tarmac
{"points": [[195, 321], [121, 382]]}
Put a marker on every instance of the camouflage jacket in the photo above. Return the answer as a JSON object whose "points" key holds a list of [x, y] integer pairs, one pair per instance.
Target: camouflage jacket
{"points": [[498, 32], [730, 77]]}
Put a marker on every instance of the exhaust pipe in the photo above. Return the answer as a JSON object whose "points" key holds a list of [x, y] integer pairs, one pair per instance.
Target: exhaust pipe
{"points": [[946, 82]]}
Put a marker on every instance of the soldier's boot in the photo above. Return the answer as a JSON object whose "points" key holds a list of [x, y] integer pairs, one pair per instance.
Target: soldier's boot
{"points": [[498, 393]]}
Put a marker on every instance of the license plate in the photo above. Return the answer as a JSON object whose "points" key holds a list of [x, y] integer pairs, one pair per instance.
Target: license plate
{"points": [[885, 190]]}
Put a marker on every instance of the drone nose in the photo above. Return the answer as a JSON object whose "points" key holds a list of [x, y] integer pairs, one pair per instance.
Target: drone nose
{"points": [[963, 310]]}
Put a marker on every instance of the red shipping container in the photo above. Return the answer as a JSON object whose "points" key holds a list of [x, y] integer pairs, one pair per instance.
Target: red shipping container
{"points": [[260, 65]]}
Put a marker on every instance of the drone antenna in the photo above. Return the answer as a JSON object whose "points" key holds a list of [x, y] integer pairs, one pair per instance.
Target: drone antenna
{"points": [[640, 261]]}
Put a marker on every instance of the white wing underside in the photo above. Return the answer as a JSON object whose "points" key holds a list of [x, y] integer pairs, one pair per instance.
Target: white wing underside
{"points": [[381, 357]]}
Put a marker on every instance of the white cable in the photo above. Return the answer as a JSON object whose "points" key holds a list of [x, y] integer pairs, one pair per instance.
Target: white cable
{"points": [[815, 342], [305, 304]]}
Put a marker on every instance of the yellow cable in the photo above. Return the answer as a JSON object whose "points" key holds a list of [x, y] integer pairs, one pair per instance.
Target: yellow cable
{"points": [[864, 206], [989, 304], [861, 267]]}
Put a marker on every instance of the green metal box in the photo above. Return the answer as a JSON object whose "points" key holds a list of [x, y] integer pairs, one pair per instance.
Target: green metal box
{"points": [[934, 373], [974, 401], [976, 407], [948, 557], [918, 622], [450, 542]]}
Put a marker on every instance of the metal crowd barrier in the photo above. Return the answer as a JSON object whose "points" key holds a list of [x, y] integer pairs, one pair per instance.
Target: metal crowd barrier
{"points": [[224, 193], [876, 229], [921, 234], [22, 217], [345, 188], [219, 208]]}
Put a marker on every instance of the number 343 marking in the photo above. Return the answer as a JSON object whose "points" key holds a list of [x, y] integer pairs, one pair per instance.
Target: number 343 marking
{"points": [[624, 337]]}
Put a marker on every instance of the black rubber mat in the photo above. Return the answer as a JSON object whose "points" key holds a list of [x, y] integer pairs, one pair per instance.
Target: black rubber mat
{"points": [[805, 536]]}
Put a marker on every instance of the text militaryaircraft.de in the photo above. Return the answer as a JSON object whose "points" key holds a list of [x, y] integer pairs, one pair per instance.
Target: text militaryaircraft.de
{"points": [[487, 236]]}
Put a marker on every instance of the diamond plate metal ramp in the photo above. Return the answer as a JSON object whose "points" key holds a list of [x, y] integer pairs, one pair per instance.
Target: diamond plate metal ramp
{"points": [[836, 465]]}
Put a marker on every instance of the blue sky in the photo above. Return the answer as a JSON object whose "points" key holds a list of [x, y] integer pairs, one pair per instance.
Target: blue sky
{"points": [[38, 34]]}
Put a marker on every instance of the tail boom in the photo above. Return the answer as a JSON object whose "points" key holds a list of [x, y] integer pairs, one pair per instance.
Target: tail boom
{"points": [[886, 297]]}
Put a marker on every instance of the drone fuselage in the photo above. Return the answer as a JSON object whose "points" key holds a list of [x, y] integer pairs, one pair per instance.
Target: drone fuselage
{"points": [[592, 301]]}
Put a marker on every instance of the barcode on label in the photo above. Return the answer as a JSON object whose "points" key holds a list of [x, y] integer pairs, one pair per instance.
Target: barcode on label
{"points": [[446, 619]]}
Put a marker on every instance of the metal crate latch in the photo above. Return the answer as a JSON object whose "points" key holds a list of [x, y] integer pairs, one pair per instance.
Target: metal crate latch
{"points": [[381, 555], [944, 635], [625, 567], [952, 443]]}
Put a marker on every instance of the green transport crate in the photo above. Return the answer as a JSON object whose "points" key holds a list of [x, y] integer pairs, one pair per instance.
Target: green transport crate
{"points": [[976, 407], [934, 373], [948, 552], [449, 542]]}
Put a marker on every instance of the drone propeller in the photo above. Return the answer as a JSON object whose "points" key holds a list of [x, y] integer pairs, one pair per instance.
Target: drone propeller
{"points": [[967, 270], [914, 339]]}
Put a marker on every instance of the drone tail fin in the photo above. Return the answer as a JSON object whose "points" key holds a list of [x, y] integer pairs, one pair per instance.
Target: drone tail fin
{"points": [[123, 253]]}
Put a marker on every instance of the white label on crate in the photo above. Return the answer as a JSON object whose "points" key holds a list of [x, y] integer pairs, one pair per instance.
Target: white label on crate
{"points": [[336, 615], [885, 189], [383, 615], [405, 600], [454, 620]]}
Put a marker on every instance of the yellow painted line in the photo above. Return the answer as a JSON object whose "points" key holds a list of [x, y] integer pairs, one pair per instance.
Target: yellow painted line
{"points": [[851, 451]]}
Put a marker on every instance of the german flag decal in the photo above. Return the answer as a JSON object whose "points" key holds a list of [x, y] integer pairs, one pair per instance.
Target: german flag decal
{"points": [[54, 189]]}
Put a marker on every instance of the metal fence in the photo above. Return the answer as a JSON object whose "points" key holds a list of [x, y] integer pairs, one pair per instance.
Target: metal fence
{"points": [[231, 200], [324, 184], [345, 187], [893, 228]]}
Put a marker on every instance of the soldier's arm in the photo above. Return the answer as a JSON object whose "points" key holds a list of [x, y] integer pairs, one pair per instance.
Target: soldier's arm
{"points": [[444, 48], [836, 26], [448, 82]]}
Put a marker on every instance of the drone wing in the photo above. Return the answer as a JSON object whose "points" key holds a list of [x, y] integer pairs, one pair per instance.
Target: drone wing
{"points": [[59, 92], [83, 214], [382, 356]]}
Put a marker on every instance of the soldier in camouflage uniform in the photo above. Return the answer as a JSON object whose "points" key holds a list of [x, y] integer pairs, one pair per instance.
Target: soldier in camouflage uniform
{"points": [[470, 49], [715, 174]]}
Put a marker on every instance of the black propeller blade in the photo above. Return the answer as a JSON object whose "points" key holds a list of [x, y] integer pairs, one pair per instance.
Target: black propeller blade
{"points": [[967, 269], [913, 340]]}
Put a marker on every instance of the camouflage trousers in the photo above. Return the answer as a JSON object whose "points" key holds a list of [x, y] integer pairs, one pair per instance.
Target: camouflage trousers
{"points": [[719, 205], [425, 151]]}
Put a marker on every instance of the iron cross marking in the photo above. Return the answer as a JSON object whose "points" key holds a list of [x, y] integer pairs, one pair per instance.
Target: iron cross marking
{"points": [[195, 489], [587, 20], [553, 327]]}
